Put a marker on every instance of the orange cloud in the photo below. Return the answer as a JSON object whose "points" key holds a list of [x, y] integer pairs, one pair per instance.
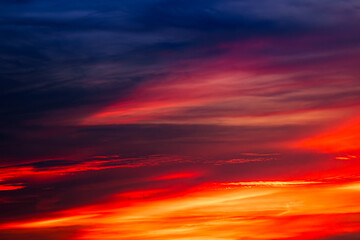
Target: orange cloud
{"points": [[304, 210], [343, 138], [165, 100]]}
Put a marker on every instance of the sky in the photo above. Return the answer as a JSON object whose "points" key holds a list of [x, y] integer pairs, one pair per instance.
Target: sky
{"points": [[179, 120]]}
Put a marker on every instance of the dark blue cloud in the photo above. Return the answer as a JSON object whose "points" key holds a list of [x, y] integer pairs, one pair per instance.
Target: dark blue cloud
{"points": [[63, 60]]}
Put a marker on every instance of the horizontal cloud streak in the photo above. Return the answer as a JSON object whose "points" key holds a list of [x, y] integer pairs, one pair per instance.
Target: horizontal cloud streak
{"points": [[205, 213]]}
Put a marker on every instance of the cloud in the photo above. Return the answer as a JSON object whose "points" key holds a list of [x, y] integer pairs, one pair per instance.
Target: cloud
{"points": [[82, 57], [210, 211], [338, 139], [345, 236], [104, 101]]}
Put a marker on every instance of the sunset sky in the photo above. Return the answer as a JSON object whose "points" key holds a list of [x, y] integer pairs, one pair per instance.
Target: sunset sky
{"points": [[180, 120]]}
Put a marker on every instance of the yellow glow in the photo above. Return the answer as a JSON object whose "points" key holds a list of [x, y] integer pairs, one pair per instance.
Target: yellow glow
{"points": [[228, 211]]}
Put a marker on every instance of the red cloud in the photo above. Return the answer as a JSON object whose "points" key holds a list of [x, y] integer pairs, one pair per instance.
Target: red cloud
{"points": [[343, 138]]}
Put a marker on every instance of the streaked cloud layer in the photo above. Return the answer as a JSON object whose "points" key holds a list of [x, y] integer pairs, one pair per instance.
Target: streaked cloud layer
{"points": [[308, 210], [169, 119]]}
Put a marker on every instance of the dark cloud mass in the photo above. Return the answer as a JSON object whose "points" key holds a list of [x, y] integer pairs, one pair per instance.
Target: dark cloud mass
{"points": [[61, 61]]}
